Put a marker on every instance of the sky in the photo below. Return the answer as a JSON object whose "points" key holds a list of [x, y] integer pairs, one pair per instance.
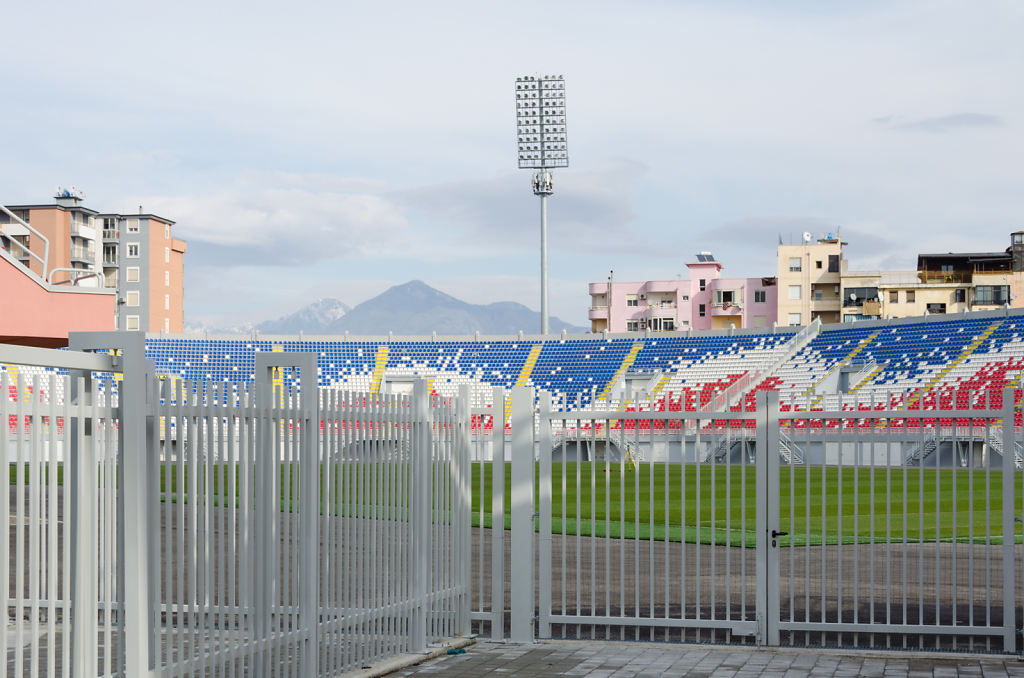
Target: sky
{"points": [[311, 150]]}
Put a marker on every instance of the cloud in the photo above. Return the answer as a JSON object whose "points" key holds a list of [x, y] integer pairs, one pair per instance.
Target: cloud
{"points": [[280, 219], [589, 209], [940, 124]]}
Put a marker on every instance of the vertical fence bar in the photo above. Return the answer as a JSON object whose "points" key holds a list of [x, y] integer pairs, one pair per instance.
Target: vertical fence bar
{"points": [[544, 509], [769, 489], [1009, 527], [465, 509], [83, 511], [500, 407], [5, 501], [421, 517]]}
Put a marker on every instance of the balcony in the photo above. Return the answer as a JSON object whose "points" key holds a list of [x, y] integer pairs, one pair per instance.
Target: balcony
{"points": [[598, 313], [83, 256], [940, 277], [110, 234], [109, 260], [670, 286], [726, 308], [825, 304], [598, 288]]}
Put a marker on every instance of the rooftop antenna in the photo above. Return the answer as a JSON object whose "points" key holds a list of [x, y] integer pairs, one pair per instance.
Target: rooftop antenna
{"points": [[540, 126]]}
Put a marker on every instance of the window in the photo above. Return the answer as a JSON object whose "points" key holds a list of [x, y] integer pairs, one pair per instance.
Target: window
{"points": [[686, 297], [894, 297], [992, 294], [631, 326], [631, 300], [703, 284], [856, 296], [133, 226], [833, 263], [959, 296], [131, 322], [167, 302], [817, 264], [935, 308], [702, 310], [133, 250], [132, 298], [167, 255], [167, 324], [668, 324], [911, 296], [795, 264], [167, 278], [794, 318], [818, 295], [167, 231], [794, 292], [760, 296], [132, 274], [1018, 238]]}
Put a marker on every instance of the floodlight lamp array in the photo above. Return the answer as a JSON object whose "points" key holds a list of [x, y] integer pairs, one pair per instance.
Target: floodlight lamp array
{"points": [[540, 122]]}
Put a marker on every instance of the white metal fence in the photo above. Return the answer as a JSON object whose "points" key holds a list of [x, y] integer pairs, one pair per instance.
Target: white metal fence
{"points": [[276, 532], [857, 527]]}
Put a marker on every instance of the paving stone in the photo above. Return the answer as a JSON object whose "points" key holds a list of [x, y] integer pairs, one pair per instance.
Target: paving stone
{"points": [[619, 659]]}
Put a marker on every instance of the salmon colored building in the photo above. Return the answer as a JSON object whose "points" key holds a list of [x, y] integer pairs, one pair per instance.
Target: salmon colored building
{"points": [[137, 256]]}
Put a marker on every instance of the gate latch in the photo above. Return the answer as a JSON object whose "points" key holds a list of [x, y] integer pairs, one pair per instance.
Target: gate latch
{"points": [[776, 533]]}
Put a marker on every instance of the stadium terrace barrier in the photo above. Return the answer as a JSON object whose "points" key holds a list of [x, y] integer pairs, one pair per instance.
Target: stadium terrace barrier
{"points": [[185, 529]]}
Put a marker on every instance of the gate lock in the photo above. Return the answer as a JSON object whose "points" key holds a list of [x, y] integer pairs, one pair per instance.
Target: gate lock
{"points": [[775, 534]]}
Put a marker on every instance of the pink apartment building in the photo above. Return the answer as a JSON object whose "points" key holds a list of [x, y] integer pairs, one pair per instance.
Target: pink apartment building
{"points": [[704, 302]]}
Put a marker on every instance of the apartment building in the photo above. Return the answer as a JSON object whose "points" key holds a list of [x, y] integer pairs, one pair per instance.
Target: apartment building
{"points": [[704, 301], [136, 254], [815, 282], [810, 280]]}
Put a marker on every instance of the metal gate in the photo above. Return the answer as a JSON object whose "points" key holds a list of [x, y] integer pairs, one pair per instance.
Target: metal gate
{"points": [[649, 527], [860, 524], [896, 526]]}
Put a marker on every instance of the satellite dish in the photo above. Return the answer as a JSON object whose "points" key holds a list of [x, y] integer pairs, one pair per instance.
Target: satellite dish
{"points": [[807, 236]]}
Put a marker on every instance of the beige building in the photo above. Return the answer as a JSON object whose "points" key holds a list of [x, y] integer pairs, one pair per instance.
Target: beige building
{"points": [[810, 280], [951, 282]]}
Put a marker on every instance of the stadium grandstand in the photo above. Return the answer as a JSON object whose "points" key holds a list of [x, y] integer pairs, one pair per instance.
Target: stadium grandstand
{"points": [[936, 362], [914, 362]]}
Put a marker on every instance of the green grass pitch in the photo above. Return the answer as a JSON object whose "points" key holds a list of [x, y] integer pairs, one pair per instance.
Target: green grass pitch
{"points": [[716, 503]]}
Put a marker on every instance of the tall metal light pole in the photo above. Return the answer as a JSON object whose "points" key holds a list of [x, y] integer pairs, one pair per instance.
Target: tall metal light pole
{"points": [[540, 124]]}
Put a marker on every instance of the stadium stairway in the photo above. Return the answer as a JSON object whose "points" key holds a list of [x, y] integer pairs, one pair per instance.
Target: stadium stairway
{"points": [[841, 364], [623, 368], [528, 365], [380, 361], [868, 378], [970, 348]]}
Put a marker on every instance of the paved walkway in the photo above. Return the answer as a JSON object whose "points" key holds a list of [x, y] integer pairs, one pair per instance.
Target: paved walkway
{"points": [[597, 659]]}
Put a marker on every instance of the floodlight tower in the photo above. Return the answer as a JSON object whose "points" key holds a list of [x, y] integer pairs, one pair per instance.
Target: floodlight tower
{"points": [[540, 124]]}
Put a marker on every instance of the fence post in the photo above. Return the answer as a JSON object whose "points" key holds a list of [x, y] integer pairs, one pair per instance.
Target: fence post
{"points": [[544, 509], [422, 465], [465, 509], [309, 493], [1009, 525], [135, 438], [500, 409], [522, 585], [81, 481]]}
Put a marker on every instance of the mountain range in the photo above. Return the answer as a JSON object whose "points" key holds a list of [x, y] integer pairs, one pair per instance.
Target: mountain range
{"points": [[413, 308]]}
